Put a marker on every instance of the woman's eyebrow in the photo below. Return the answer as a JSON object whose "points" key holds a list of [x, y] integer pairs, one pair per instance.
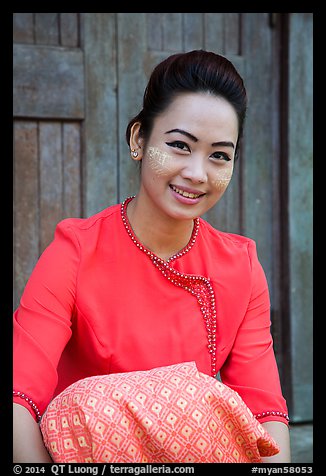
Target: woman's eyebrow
{"points": [[194, 139], [185, 133], [223, 143]]}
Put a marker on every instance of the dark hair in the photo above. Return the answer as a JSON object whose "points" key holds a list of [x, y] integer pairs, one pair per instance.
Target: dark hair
{"points": [[194, 71]]}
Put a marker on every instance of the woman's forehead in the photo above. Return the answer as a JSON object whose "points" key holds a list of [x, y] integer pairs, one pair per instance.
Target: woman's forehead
{"points": [[200, 114]]}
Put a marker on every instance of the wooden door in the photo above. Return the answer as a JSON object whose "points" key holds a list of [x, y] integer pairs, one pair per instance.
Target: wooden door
{"points": [[78, 80], [48, 113]]}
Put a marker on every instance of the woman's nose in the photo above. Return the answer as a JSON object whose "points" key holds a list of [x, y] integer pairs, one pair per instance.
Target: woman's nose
{"points": [[195, 170]]}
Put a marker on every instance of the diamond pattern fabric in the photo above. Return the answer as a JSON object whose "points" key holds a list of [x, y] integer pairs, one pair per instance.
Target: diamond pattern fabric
{"points": [[172, 414]]}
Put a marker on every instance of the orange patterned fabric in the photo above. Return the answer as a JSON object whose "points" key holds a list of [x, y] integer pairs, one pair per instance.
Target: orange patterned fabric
{"points": [[167, 414]]}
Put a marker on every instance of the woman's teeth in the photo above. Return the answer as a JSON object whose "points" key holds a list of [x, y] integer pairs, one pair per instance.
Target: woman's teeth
{"points": [[185, 194]]}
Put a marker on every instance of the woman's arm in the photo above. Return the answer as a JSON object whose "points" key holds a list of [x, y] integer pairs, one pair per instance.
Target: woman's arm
{"points": [[280, 433], [42, 328], [28, 444]]}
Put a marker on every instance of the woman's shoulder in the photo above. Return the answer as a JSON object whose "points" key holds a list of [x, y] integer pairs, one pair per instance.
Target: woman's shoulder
{"points": [[89, 223], [225, 238], [232, 249]]}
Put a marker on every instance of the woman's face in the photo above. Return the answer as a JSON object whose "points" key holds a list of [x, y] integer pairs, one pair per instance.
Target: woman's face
{"points": [[187, 161]]}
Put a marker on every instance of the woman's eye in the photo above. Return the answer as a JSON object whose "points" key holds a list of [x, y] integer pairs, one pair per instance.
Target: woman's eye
{"points": [[221, 156], [177, 144]]}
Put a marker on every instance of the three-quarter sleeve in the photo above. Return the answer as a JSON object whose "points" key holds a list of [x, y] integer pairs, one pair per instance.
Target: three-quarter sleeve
{"points": [[251, 368], [42, 321]]}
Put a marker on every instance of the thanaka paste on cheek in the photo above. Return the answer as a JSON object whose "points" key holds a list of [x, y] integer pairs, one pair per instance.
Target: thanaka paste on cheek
{"points": [[223, 177], [160, 162]]}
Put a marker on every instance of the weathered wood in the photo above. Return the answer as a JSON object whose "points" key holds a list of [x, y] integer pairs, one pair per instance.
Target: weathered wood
{"points": [[172, 31], [69, 29], [101, 121], [300, 211], [214, 36], [71, 159], [279, 310], [48, 82], [47, 28], [26, 218], [258, 169], [132, 82], [261, 173], [232, 33], [154, 31], [51, 180], [23, 28], [193, 36]]}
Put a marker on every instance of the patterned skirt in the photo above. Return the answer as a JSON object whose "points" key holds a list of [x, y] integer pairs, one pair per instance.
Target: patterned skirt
{"points": [[172, 414]]}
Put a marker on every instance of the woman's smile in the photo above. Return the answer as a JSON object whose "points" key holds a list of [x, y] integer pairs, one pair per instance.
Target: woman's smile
{"points": [[186, 195]]}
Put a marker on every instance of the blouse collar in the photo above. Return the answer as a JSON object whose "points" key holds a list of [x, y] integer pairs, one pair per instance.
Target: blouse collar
{"points": [[141, 247]]}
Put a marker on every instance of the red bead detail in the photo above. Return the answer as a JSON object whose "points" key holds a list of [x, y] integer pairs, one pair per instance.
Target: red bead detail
{"points": [[199, 286], [272, 413], [30, 402]]}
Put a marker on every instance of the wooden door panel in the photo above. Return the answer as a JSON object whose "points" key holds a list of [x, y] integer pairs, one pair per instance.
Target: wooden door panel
{"points": [[26, 201], [60, 177], [48, 82], [58, 29], [48, 106], [101, 126]]}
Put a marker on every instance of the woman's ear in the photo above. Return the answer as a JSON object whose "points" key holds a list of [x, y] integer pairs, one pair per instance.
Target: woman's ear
{"points": [[136, 142]]}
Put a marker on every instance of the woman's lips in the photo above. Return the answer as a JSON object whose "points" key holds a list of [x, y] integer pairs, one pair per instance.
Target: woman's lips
{"points": [[186, 195]]}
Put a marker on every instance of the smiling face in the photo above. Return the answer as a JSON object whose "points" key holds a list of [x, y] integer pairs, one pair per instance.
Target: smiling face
{"points": [[187, 162]]}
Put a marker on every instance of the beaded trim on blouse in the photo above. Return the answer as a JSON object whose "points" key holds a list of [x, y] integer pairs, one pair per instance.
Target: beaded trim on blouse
{"points": [[30, 402], [143, 248], [198, 286], [272, 413]]}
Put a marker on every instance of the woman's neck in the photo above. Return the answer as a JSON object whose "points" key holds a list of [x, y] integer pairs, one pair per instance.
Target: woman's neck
{"points": [[161, 234]]}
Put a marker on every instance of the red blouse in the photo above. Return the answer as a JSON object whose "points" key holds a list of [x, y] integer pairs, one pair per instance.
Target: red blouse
{"points": [[99, 302]]}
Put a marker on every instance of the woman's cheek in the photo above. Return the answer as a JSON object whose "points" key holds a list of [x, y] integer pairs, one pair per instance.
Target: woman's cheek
{"points": [[159, 162], [222, 178]]}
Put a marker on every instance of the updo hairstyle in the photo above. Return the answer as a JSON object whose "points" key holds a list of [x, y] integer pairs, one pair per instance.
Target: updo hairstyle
{"points": [[195, 71]]}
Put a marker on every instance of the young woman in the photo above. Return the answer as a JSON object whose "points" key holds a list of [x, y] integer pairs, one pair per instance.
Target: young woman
{"points": [[148, 283]]}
